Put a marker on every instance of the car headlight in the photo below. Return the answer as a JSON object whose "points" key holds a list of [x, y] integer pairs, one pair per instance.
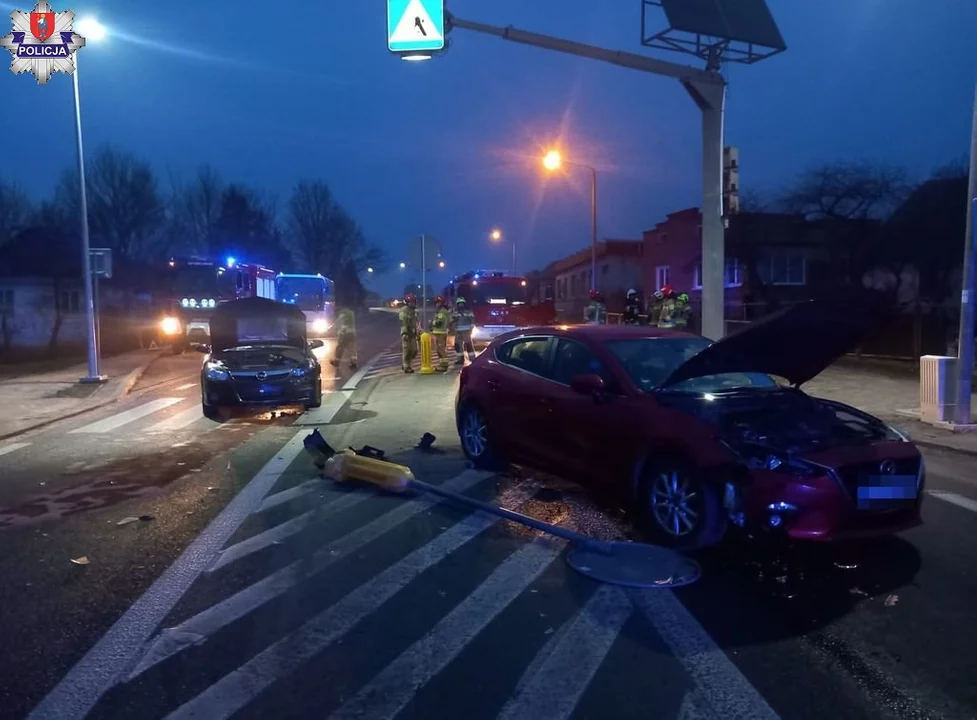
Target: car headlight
{"points": [[300, 372], [170, 326], [185, 302], [320, 325], [214, 371]]}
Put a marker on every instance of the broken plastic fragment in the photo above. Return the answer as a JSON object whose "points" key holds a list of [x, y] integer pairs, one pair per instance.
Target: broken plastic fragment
{"points": [[127, 520], [83, 560]]}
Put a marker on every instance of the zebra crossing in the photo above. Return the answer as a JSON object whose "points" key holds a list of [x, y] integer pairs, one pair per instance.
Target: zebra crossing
{"points": [[341, 603]]}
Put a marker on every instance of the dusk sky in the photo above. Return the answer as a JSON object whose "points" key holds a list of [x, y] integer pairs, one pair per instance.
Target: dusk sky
{"points": [[451, 147]]}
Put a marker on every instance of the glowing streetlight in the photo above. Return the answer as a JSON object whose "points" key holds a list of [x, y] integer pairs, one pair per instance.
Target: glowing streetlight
{"points": [[403, 265], [496, 235], [415, 58], [441, 264], [369, 270], [93, 31], [553, 160]]}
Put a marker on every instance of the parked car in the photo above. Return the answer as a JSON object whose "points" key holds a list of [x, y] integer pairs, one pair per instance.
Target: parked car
{"points": [[259, 356], [697, 435]]}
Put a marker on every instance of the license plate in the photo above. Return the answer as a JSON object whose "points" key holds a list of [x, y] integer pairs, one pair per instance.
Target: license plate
{"points": [[270, 389], [883, 490]]}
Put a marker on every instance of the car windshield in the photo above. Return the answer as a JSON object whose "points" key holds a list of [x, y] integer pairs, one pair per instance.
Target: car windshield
{"points": [[651, 361], [306, 293], [199, 281], [498, 293]]}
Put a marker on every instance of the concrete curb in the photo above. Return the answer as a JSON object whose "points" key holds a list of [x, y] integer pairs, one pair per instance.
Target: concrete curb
{"points": [[947, 448], [128, 384]]}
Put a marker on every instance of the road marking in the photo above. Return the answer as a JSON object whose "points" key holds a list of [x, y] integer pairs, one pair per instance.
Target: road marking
{"points": [[5, 449], [178, 421], [236, 689], [722, 686], [116, 421], [188, 386], [288, 495], [358, 375], [390, 691], [958, 500], [285, 530], [111, 656], [554, 682], [204, 624]]}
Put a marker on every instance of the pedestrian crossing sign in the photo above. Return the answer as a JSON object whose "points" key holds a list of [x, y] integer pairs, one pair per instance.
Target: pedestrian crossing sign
{"points": [[415, 25]]}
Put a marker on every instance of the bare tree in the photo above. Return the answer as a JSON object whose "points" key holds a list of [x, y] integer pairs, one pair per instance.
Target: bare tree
{"points": [[16, 210], [125, 207], [753, 202], [959, 168], [246, 227], [196, 212], [847, 191]]}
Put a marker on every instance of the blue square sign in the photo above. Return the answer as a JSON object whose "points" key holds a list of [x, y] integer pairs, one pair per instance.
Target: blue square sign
{"points": [[415, 25]]}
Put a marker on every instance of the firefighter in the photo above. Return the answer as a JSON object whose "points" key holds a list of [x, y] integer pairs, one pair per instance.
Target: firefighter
{"points": [[439, 328], [666, 317], [655, 307], [408, 332], [462, 324], [632, 308], [682, 317], [596, 312], [345, 338]]}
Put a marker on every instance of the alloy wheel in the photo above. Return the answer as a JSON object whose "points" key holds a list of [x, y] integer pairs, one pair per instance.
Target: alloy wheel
{"points": [[673, 501], [474, 433]]}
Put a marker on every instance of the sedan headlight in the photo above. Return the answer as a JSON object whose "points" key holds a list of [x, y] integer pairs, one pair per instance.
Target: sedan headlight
{"points": [[213, 371], [301, 372], [320, 325], [170, 326]]}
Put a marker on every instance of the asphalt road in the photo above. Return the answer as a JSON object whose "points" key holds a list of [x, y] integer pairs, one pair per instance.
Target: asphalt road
{"points": [[261, 590]]}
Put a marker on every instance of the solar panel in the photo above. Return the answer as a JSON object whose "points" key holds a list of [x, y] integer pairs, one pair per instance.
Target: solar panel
{"points": [[747, 21]]}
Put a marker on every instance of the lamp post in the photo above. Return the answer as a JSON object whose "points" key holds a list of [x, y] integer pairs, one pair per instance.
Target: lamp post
{"points": [[496, 236], [553, 161], [91, 30]]}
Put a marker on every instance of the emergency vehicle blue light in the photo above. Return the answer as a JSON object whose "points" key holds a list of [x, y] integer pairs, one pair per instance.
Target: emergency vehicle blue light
{"points": [[230, 262]]}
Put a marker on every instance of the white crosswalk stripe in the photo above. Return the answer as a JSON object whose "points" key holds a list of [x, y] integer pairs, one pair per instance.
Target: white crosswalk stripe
{"points": [[179, 421], [955, 499], [114, 422], [5, 449]]}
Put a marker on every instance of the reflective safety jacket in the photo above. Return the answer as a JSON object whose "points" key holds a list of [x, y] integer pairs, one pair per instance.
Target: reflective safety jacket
{"points": [[463, 320], [442, 318], [408, 321], [595, 314], [668, 314], [346, 321]]}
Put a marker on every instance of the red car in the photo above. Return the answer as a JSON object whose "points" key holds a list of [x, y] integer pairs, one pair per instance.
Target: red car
{"points": [[697, 435]]}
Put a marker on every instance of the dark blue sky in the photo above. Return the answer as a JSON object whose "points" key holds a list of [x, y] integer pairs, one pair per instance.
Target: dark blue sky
{"points": [[448, 147]]}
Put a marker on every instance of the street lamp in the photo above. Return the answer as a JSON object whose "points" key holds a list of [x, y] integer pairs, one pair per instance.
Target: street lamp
{"points": [[403, 265], [553, 161], [91, 30], [496, 236], [369, 270]]}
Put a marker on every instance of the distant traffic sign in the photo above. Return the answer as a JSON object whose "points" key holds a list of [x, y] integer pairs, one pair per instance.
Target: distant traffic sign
{"points": [[415, 25]]}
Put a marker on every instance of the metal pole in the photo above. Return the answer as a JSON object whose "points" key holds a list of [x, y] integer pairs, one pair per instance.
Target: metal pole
{"points": [[423, 282], [98, 320], [593, 228], [86, 260], [513, 256], [965, 345]]}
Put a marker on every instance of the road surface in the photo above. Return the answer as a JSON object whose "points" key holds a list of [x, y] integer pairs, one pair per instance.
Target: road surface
{"points": [[259, 590]]}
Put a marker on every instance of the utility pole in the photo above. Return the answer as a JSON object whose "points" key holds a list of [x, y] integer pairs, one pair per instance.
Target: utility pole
{"points": [[965, 343]]}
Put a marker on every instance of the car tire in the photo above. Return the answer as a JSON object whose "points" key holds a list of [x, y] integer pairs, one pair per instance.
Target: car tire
{"points": [[668, 485], [476, 439], [317, 400], [212, 412]]}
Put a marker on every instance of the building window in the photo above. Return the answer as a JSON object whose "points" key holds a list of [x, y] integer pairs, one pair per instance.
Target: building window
{"points": [[783, 267], [661, 276], [733, 277]]}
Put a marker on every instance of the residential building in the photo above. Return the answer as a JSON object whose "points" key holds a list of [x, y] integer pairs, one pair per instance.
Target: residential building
{"points": [[618, 270]]}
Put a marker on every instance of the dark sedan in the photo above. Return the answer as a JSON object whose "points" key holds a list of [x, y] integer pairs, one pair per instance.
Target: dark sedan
{"points": [[698, 435], [259, 357]]}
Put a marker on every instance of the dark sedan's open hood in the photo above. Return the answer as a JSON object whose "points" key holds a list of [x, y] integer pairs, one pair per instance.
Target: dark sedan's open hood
{"points": [[796, 343], [256, 321]]}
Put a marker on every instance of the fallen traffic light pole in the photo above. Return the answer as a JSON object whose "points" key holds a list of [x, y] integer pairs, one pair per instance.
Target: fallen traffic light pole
{"points": [[627, 564]]}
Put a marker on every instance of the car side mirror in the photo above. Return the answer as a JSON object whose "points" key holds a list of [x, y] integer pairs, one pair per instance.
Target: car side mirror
{"points": [[201, 347], [315, 344], [589, 384]]}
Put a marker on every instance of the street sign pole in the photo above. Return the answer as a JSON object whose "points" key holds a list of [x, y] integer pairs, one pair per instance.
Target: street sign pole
{"points": [[965, 343]]}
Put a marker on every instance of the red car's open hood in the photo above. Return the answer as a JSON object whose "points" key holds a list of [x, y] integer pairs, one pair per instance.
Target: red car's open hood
{"points": [[796, 343]]}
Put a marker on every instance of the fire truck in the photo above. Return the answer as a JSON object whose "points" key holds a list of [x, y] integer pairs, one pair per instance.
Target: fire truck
{"points": [[500, 302], [313, 295], [197, 285]]}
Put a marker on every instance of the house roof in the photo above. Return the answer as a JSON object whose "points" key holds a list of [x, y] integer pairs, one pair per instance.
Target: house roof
{"points": [[605, 249]]}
